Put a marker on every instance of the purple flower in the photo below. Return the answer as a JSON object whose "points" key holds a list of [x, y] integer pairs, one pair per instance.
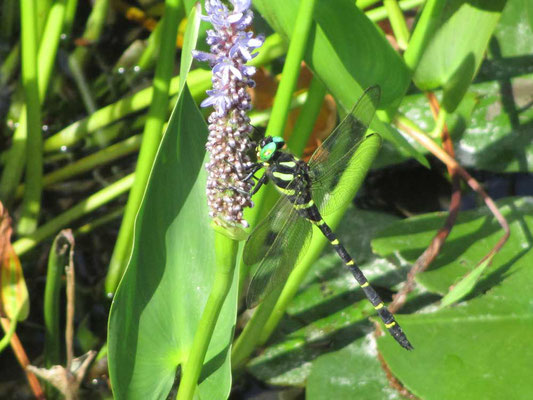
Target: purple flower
{"points": [[229, 126]]}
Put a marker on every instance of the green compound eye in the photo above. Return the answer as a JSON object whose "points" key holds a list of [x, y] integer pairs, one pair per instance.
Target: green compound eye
{"points": [[267, 151]]}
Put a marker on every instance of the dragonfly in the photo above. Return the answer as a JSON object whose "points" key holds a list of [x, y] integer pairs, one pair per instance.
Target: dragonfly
{"points": [[309, 191]]}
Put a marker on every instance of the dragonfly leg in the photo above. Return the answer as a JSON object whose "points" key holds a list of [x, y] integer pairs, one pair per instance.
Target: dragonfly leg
{"points": [[253, 169], [262, 181]]}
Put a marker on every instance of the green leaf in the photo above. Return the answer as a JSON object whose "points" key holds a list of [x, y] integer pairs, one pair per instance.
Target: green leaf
{"points": [[349, 53], [353, 372], [482, 348], [454, 53], [189, 42], [490, 127], [160, 299], [465, 285], [474, 234]]}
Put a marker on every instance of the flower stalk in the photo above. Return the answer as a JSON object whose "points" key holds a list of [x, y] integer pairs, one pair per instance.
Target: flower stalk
{"points": [[229, 125]]}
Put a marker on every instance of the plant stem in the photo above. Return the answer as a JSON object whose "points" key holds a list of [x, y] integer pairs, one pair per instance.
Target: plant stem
{"points": [[380, 13], [362, 4], [153, 131], [93, 30], [249, 337], [10, 64], [423, 32], [226, 256], [70, 15], [85, 207], [90, 162], [307, 117], [399, 27], [31, 203], [16, 158], [57, 260], [291, 68], [97, 222], [7, 19]]}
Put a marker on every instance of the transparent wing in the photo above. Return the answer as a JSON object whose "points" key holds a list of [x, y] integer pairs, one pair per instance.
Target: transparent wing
{"points": [[332, 159], [276, 243]]}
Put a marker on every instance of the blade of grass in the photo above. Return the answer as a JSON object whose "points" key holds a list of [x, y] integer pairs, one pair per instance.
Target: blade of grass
{"points": [[31, 203], [57, 260]]}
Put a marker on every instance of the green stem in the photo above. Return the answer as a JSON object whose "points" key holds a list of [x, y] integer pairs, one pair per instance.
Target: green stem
{"points": [[78, 59], [198, 81], [10, 65], [423, 32], [90, 162], [226, 256], [96, 223], [7, 19], [149, 54], [380, 13], [249, 337], [291, 68], [42, 9], [34, 167], [93, 30], [70, 15], [362, 4], [16, 157], [307, 117], [398, 24], [153, 131], [85, 207], [57, 260]]}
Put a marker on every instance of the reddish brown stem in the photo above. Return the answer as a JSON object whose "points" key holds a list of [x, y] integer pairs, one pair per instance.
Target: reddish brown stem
{"points": [[455, 170], [431, 252], [23, 360]]}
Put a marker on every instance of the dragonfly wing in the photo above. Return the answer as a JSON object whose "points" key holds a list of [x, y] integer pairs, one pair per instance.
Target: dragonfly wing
{"points": [[264, 234], [333, 158], [284, 235]]}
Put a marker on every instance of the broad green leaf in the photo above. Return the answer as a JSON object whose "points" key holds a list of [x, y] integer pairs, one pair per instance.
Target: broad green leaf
{"points": [[514, 31], [474, 234], [454, 53], [162, 295], [482, 348], [330, 311], [353, 372], [349, 53]]}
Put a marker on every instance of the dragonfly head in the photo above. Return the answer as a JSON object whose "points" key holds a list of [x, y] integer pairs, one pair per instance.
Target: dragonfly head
{"points": [[268, 146]]}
